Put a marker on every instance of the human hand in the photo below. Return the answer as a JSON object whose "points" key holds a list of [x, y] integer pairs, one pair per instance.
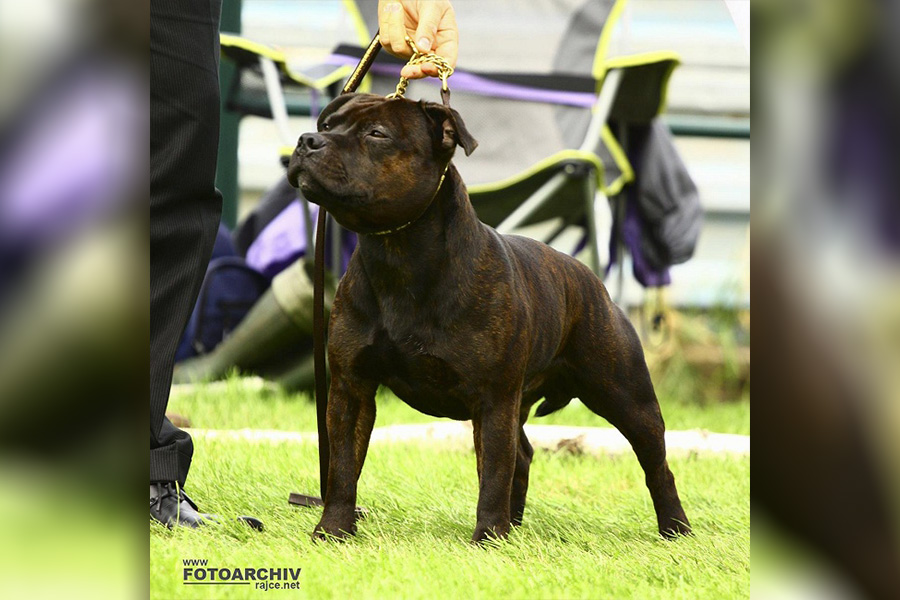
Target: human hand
{"points": [[431, 24]]}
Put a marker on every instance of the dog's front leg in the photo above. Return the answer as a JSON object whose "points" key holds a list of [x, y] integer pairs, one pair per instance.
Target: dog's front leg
{"points": [[351, 415], [498, 427]]}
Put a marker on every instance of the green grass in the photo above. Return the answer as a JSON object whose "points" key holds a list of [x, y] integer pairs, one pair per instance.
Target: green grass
{"points": [[589, 528], [235, 407]]}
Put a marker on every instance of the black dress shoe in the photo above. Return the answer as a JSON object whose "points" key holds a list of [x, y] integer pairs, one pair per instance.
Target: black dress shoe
{"points": [[171, 506]]}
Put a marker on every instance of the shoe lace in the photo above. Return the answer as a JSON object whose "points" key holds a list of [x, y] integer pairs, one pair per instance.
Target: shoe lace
{"points": [[166, 490], [169, 489], [178, 506]]}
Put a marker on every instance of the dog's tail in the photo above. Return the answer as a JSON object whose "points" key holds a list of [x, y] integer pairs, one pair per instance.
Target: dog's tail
{"points": [[551, 405]]}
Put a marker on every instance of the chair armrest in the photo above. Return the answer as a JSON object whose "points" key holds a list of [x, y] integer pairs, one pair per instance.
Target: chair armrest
{"points": [[247, 53]]}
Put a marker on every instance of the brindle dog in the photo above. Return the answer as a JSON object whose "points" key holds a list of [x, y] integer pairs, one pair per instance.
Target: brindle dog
{"points": [[456, 319]]}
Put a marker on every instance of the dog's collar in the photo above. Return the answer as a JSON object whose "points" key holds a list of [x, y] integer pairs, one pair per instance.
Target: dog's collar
{"points": [[405, 225]]}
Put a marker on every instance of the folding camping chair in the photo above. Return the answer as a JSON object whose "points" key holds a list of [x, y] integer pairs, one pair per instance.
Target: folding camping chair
{"points": [[541, 108]]}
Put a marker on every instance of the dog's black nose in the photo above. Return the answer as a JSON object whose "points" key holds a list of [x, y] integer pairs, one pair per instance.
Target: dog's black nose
{"points": [[312, 141]]}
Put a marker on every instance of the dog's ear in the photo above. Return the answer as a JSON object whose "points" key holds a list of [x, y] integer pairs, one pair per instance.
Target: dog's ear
{"points": [[450, 128]]}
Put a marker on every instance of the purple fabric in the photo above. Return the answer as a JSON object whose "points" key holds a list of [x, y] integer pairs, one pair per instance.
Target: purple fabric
{"points": [[77, 159], [348, 245], [467, 82], [646, 275], [283, 241], [862, 160]]}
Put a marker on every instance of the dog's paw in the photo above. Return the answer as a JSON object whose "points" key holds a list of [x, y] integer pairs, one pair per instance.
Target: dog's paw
{"points": [[484, 533], [328, 533], [674, 529]]}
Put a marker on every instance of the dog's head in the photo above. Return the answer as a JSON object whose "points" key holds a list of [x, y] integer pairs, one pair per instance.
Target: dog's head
{"points": [[375, 163]]}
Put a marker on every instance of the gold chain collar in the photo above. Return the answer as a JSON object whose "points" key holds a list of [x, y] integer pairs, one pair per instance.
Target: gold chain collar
{"points": [[417, 58], [405, 225]]}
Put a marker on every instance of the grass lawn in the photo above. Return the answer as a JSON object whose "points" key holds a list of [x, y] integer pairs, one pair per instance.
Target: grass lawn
{"points": [[235, 405], [589, 528]]}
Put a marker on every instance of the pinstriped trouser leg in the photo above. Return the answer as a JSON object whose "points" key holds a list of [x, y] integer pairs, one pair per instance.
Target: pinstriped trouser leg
{"points": [[184, 205]]}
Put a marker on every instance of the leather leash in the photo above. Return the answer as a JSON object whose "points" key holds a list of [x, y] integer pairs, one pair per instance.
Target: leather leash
{"points": [[444, 71], [319, 289]]}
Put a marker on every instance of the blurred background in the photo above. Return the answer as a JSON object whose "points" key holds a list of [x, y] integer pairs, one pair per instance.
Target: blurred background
{"points": [[708, 112], [73, 269], [693, 311]]}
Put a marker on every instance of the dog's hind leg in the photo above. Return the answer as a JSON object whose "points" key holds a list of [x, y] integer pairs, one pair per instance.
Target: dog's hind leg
{"points": [[641, 423], [624, 396]]}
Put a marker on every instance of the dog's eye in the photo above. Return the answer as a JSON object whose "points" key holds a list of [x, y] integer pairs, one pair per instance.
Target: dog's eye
{"points": [[375, 133], [325, 126]]}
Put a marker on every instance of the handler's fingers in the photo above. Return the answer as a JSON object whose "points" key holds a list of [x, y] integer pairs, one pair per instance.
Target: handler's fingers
{"points": [[420, 71], [430, 14], [413, 72], [384, 36], [447, 41], [446, 44], [391, 19]]}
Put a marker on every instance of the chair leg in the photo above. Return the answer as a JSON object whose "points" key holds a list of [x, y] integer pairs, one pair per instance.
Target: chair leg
{"points": [[619, 211], [557, 232], [591, 194]]}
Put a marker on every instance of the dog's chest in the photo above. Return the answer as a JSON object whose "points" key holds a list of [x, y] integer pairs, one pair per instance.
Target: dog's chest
{"points": [[415, 372]]}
